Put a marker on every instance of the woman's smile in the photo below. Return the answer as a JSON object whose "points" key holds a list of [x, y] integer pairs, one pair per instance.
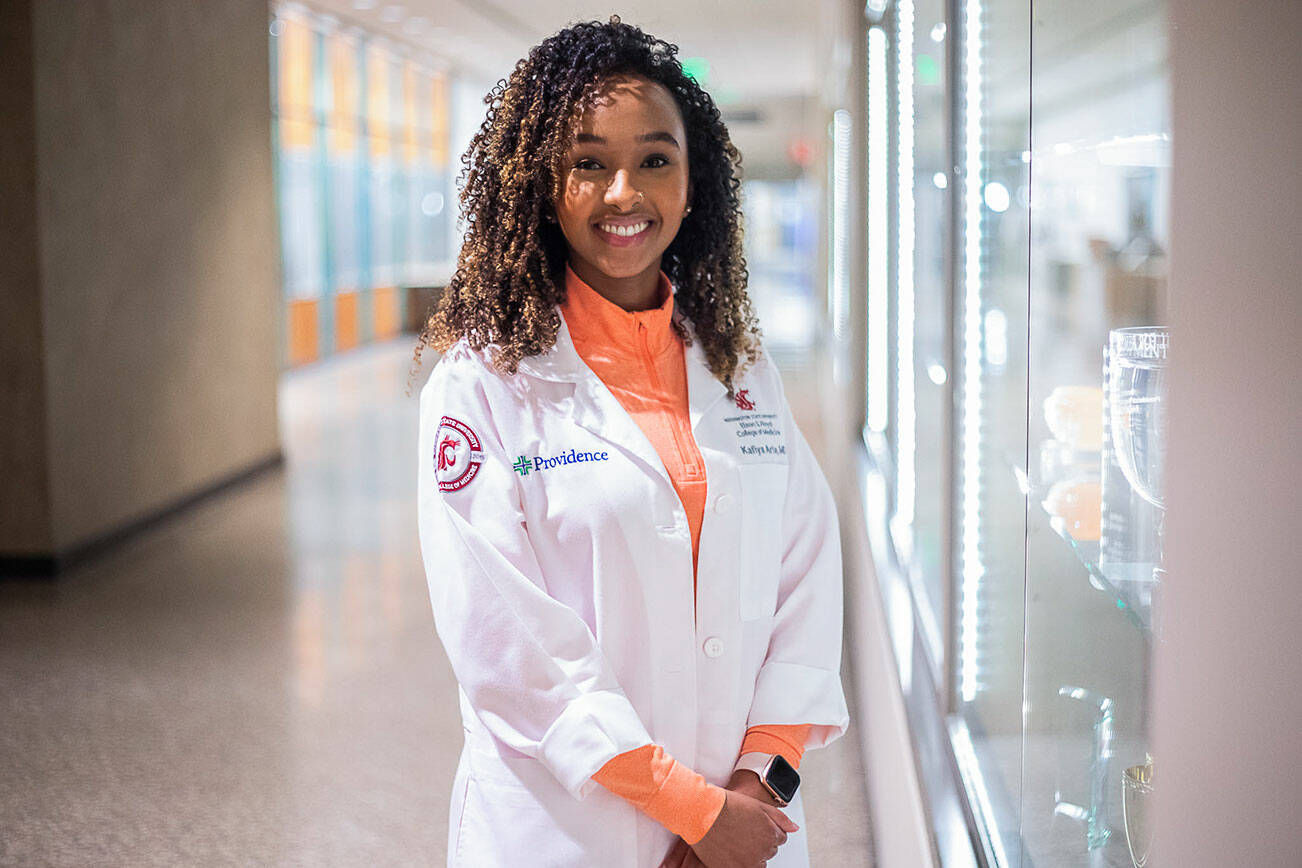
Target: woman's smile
{"points": [[624, 231]]}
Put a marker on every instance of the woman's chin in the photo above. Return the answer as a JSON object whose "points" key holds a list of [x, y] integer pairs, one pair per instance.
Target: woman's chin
{"points": [[623, 269]]}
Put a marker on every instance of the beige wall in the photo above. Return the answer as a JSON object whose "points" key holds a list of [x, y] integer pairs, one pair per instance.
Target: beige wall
{"points": [[1228, 704], [25, 520], [158, 257]]}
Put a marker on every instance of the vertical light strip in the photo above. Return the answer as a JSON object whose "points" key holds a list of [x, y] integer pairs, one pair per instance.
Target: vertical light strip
{"points": [[878, 234], [972, 569], [906, 423], [840, 222]]}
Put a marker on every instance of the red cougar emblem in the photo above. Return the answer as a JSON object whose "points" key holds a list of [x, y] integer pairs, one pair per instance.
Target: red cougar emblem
{"points": [[743, 400], [447, 452]]}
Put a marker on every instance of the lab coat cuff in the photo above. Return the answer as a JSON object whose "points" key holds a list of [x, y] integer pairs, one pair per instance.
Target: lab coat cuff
{"points": [[791, 693], [593, 729]]}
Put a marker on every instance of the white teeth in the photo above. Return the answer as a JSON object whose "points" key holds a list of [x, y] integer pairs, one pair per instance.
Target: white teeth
{"points": [[624, 230]]}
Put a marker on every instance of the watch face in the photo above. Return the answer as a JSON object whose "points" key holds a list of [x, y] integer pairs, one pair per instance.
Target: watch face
{"points": [[782, 778]]}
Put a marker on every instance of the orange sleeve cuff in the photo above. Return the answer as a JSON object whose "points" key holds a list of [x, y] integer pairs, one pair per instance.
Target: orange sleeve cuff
{"points": [[665, 790], [788, 740]]}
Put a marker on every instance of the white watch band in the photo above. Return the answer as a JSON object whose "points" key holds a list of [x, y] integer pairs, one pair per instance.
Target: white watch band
{"points": [[754, 762]]}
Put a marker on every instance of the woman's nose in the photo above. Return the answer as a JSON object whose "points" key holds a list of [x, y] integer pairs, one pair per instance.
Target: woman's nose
{"points": [[620, 192]]}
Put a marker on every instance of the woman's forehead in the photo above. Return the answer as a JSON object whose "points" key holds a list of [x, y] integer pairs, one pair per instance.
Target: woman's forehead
{"points": [[629, 103]]}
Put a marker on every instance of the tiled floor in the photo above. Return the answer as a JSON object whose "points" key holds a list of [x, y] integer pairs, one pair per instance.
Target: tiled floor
{"points": [[258, 681]]}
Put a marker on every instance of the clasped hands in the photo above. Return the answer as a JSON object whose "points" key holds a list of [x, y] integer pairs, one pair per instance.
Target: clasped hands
{"points": [[746, 834]]}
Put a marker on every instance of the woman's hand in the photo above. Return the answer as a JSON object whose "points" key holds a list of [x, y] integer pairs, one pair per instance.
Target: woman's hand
{"points": [[743, 781], [746, 834]]}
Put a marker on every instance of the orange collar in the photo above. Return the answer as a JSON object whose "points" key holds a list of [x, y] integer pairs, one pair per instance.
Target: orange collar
{"points": [[595, 321]]}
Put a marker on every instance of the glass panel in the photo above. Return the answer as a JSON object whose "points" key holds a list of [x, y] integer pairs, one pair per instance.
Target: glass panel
{"points": [[1101, 176], [994, 131]]}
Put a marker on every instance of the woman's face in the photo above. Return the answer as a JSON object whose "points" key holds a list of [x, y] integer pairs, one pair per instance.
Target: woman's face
{"points": [[623, 184]]}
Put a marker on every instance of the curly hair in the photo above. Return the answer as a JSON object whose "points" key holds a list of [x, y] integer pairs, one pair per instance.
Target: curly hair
{"points": [[510, 271]]}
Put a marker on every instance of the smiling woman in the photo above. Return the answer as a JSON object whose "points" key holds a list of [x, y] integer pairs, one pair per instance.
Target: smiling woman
{"points": [[639, 675], [538, 159]]}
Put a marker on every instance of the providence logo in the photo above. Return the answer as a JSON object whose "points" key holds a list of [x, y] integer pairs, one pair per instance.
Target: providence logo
{"points": [[524, 464]]}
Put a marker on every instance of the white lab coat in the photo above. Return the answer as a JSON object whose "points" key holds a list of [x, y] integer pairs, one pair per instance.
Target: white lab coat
{"points": [[564, 598]]}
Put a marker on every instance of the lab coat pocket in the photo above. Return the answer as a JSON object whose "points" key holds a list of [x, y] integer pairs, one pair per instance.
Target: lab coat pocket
{"points": [[517, 813], [763, 491]]}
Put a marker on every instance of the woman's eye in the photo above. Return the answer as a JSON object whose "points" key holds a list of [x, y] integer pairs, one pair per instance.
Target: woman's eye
{"points": [[587, 164], [655, 161]]}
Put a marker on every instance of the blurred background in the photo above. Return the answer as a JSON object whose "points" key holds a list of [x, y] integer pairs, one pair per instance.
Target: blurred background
{"points": [[1030, 272]]}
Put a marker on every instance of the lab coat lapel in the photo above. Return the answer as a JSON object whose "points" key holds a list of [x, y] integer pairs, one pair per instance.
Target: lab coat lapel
{"points": [[703, 389], [594, 407]]}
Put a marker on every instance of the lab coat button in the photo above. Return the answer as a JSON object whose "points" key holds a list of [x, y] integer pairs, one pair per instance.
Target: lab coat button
{"points": [[723, 503], [713, 647]]}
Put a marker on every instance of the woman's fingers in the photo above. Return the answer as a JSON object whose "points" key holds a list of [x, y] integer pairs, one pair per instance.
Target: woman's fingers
{"points": [[781, 820]]}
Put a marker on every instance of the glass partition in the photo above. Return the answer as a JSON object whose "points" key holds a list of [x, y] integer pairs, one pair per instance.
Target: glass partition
{"points": [[1100, 172], [1027, 223], [364, 180]]}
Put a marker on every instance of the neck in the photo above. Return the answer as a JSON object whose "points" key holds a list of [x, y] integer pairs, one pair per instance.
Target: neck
{"points": [[639, 292]]}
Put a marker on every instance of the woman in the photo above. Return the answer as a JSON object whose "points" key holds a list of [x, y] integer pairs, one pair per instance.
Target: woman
{"points": [[632, 556]]}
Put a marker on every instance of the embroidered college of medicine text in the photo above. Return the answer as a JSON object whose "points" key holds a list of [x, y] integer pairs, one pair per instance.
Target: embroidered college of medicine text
{"points": [[524, 464]]}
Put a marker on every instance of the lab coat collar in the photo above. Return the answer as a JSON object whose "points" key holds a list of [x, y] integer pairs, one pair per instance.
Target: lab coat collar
{"points": [[563, 364]]}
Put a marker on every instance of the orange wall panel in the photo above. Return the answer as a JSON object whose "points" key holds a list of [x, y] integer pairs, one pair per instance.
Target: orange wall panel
{"points": [[439, 131], [304, 343], [344, 109], [410, 94], [386, 311], [346, 330], [377, 101], [295, 83]]}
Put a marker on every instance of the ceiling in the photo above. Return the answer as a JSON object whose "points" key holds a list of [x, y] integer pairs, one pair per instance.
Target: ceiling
{"points": [[763, 56], [755, 48]]}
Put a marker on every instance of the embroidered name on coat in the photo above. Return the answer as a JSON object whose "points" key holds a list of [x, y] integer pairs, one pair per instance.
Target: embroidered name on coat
{"points": [[758, 435]]}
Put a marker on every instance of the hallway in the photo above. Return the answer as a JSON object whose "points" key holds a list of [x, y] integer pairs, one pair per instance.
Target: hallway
{"points": [[257, 681]]}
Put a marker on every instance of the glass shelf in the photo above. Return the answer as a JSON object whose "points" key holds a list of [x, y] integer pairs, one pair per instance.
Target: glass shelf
{"points": [[1134, 599]]}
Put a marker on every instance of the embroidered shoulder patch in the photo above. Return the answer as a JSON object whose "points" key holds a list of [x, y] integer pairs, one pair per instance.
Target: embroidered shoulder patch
{"points": [[457, 454]]}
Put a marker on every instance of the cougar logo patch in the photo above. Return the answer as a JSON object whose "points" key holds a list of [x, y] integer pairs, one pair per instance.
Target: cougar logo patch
{"points": [[457, 454]]}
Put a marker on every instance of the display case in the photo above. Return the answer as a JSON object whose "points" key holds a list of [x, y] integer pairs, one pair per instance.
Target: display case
{"points": [[1018, 415]]}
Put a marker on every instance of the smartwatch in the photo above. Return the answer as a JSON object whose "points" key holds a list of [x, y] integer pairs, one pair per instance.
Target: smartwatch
{"points": [[779, 779]]}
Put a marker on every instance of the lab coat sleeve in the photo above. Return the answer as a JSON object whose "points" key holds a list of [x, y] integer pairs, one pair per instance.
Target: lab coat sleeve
{"points": [[529, 665], [800, 680]]}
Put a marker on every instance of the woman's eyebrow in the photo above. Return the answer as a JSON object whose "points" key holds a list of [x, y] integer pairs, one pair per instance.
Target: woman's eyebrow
{"points": [[657, 136]]}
